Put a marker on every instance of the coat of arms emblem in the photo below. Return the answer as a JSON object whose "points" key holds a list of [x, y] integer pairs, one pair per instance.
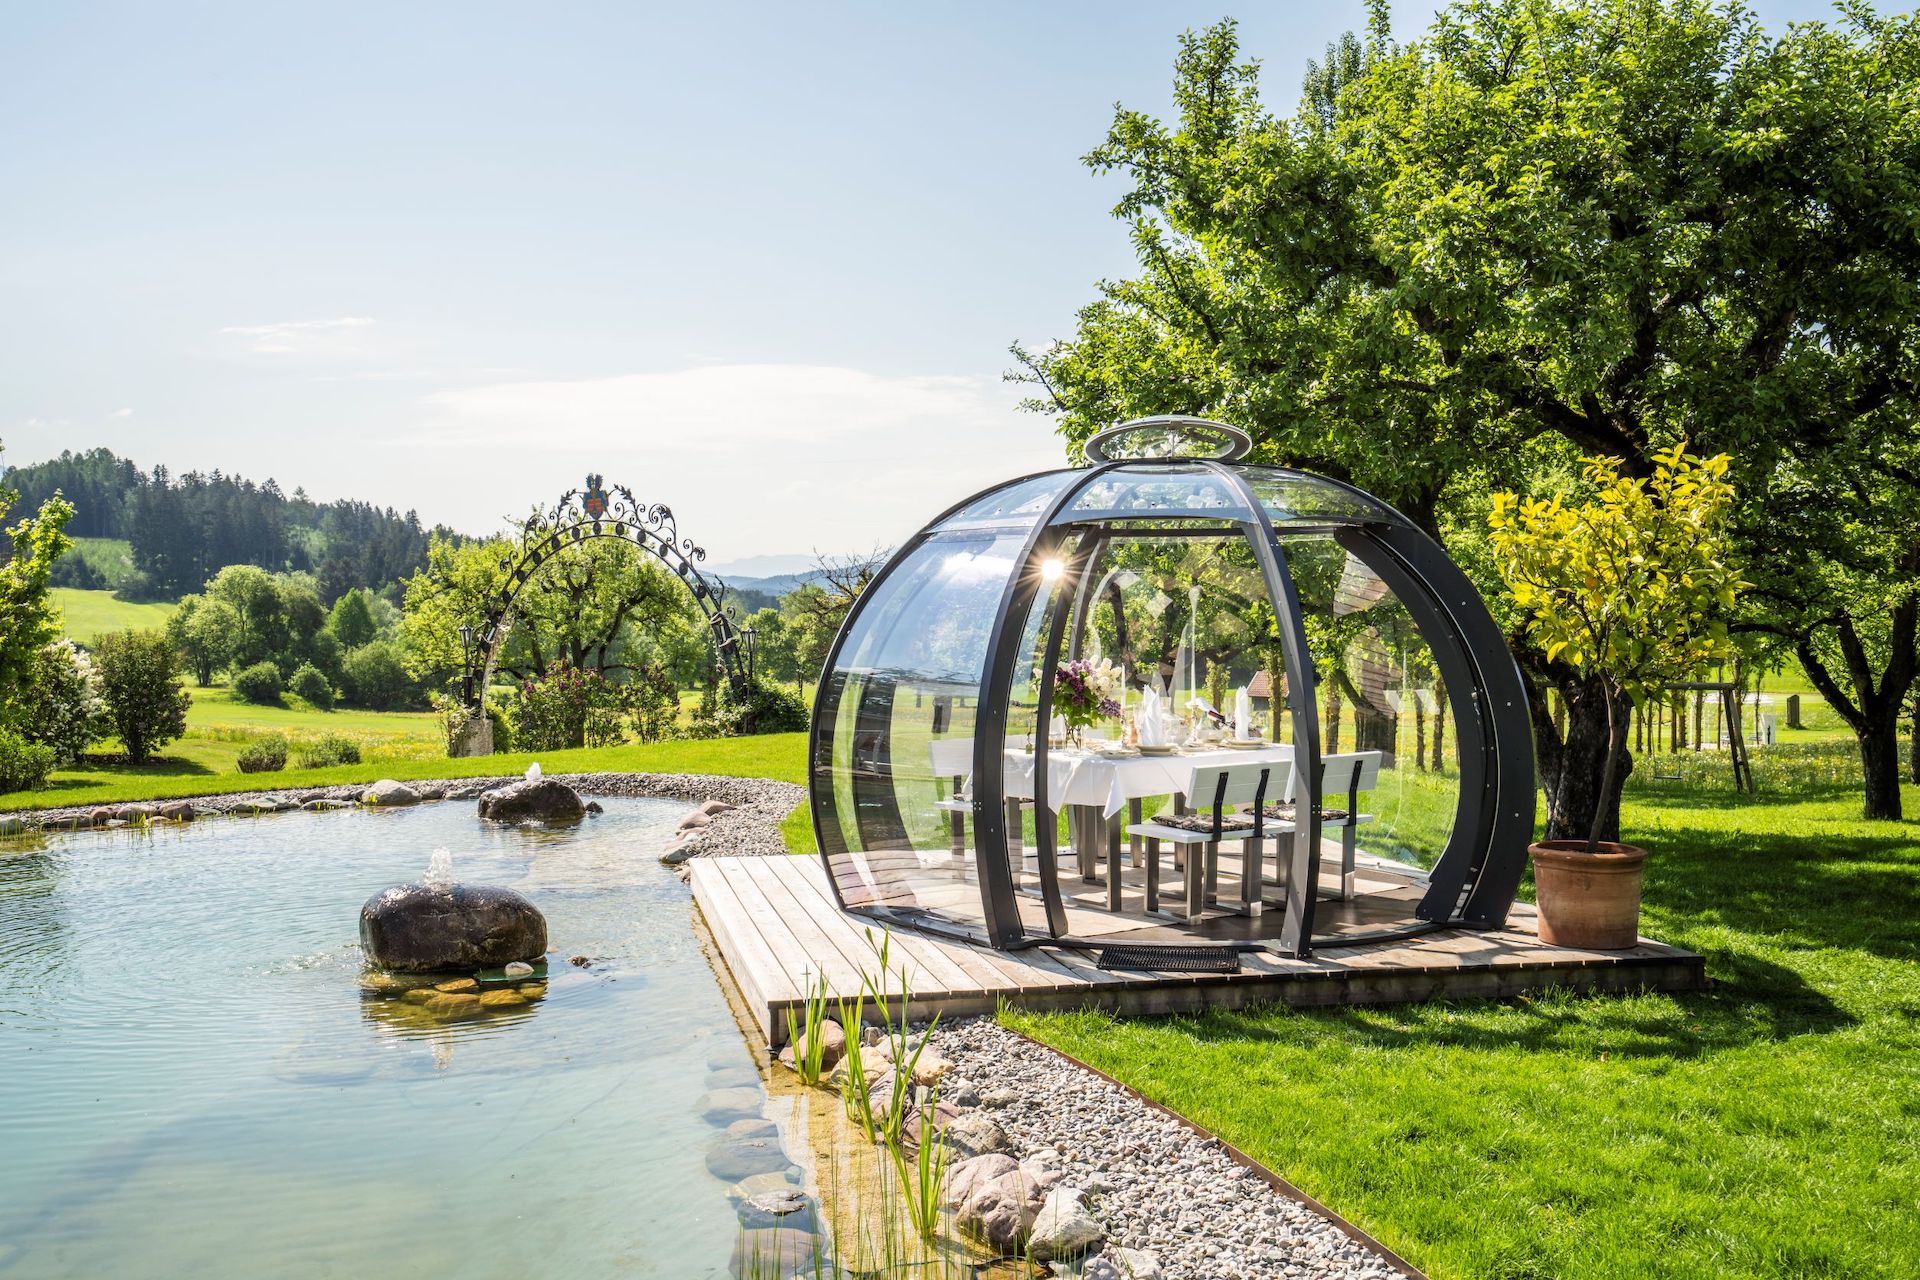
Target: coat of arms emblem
{"points": [[594, 501]]}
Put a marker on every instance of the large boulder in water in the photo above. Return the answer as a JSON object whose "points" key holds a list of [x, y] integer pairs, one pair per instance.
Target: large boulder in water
{"points": [[424, 928], [533, 800]]}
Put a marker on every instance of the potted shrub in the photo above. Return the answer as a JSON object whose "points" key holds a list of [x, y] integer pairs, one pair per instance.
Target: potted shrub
{"points": [[1631, 587]]}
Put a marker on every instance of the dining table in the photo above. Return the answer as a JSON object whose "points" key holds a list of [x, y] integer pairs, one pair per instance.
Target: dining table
{"points": [[1096, 784]]}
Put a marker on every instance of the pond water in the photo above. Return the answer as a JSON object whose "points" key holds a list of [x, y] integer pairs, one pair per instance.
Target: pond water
{"points": [[193, 1081]]}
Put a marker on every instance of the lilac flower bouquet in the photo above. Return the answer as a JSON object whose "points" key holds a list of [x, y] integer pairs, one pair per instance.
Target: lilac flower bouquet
{"points": [[1085, 693]]}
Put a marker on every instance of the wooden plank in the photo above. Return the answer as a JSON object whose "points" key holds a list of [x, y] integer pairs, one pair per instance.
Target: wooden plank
{"points": [[747, 960], [794, 956], [804, 910]]}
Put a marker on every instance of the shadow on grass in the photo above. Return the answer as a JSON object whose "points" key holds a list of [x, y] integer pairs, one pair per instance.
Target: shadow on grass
{"points": [[1805, 891], [121, 771]]}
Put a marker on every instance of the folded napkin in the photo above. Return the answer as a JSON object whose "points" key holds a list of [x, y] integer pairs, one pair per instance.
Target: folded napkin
{"points": [[1153, 730], [1242, 715]]}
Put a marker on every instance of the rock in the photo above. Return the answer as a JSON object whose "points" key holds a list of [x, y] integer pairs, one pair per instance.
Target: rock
{"points": [[960, 1093], [100, 817], [456, 984], [12, 826], [417, 928], [1000, 1211], [392, 983], [579, 962], [712, 807], [532, 800], [1064, 1227], [388, 794], [452, 1003], [998, 1096], [724, 1106], [929, 1067], [1123, 1264], [912, 1124], [133, 812], [785, 1208], [501, 999], [533, 990], [694, 821], [743, 1157], [679, 854], [778, 1251], [966, 1175], [595, 808], [752, 1127], [323, 805], [759, 1184], [178, 811], [734, 1077], [971, 1134], [518, 969], [833, 1046], [419, 995]]}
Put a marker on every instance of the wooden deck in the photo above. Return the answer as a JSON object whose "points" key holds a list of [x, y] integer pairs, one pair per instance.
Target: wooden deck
{"points": [[778, 930]]}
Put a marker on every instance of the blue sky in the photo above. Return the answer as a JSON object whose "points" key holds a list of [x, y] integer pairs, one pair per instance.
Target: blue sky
{"points": [[760, 262]]}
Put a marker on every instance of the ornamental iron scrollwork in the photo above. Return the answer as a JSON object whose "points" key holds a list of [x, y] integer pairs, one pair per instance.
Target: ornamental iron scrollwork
{"points": [[597, 511]]}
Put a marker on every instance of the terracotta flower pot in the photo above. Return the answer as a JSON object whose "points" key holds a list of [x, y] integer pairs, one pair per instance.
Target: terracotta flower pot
{"points": [[1587, 900]]}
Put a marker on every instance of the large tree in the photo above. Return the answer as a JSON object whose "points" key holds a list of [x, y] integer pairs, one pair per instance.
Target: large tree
{"points": [[29, 620], [1544, 232]]}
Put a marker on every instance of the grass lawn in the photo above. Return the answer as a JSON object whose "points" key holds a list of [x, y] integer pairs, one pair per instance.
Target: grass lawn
{"points": [[1768, 1127], [86, 614]]}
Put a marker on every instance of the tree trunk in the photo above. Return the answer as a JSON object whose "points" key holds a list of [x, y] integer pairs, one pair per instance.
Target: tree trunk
{"points": [[1913, 745], [1419, 734], [1439, 724], [1581, 797], [1874, 714], [1330, 719]]}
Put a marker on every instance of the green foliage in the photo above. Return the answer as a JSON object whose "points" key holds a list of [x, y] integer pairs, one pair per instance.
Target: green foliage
{"points": [[208, 632], [311, 685], [375, 676], [1634, 585], [764, 708], [351, 621], [329, 751], [29, 622], [63, 709], [265, 755], [24, 765], [140, 679], [1540, 233], [259, 684]]}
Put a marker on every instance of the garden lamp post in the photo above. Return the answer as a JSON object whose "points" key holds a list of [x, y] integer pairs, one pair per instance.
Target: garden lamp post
{"points": [[748, 637], [466, 663]]}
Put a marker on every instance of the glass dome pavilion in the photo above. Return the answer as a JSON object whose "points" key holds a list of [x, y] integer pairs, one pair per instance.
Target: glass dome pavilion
{"points": [[1192, 570]]}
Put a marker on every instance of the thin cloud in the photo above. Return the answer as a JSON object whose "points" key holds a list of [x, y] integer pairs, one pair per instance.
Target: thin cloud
{"points": [[292, 335], [121, 413]]}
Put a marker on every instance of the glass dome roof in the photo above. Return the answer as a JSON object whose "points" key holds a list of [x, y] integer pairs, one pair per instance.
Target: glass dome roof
{"points": [[935, 736]]}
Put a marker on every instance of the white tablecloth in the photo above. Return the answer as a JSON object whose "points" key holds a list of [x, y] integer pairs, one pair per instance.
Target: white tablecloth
{"points": [[1108, 782]]}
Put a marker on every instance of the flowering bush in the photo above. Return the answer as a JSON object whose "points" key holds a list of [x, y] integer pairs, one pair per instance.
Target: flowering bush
{"points": [[1085, 693], [64, 709]]}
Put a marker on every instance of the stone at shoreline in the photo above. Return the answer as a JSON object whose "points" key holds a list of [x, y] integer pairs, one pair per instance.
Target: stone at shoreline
{"points": [[777, 1251], [786, 1208], [733, 1077], [501, 999], [100, 817], [324, 804], [388, 794], [752, 1127], [694, 821], [712, 807], [1064, 1227], [996, 1096], [760, 1184], [417, 928], [178, 811], [833, 1046], [1000, 1211], [532, 800], [967, 1175], [595, 808], [737, 1158], [134, 812], [973, 1134], [679, 854], [1123, 1264], [913, 1125], [724, 1106]]}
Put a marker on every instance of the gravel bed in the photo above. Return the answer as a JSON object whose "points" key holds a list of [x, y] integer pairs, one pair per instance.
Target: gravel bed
{"points": [[1157, 1185], [752, 827]]}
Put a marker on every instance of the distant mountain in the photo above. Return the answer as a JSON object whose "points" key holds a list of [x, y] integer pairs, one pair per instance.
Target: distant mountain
{"points": [[750, 568]]}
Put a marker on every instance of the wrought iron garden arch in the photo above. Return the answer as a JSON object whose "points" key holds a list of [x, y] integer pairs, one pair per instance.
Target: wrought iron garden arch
{"points": [[595, 511]]}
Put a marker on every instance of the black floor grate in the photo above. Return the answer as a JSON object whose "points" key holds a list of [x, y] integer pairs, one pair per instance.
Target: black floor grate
{"points": [[1171, 959]]}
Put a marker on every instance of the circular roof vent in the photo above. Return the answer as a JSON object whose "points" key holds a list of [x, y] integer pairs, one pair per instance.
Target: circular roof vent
{"points": [[1170, 435]]}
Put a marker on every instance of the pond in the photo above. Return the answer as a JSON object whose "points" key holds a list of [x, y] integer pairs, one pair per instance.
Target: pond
{"points": [[195, 1081]]}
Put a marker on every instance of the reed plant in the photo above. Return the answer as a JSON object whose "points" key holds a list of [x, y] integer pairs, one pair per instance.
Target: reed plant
{"points": [[803, 1033]]}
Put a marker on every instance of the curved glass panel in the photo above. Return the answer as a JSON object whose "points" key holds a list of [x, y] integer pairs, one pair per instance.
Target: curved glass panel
{"points": [[1292, 497], [1160, 491], [900, 706], [1379, 694], [1018, 504]]}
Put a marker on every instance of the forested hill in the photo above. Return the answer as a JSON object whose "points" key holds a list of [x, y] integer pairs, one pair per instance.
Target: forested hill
{"points": [[183, 529]]}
